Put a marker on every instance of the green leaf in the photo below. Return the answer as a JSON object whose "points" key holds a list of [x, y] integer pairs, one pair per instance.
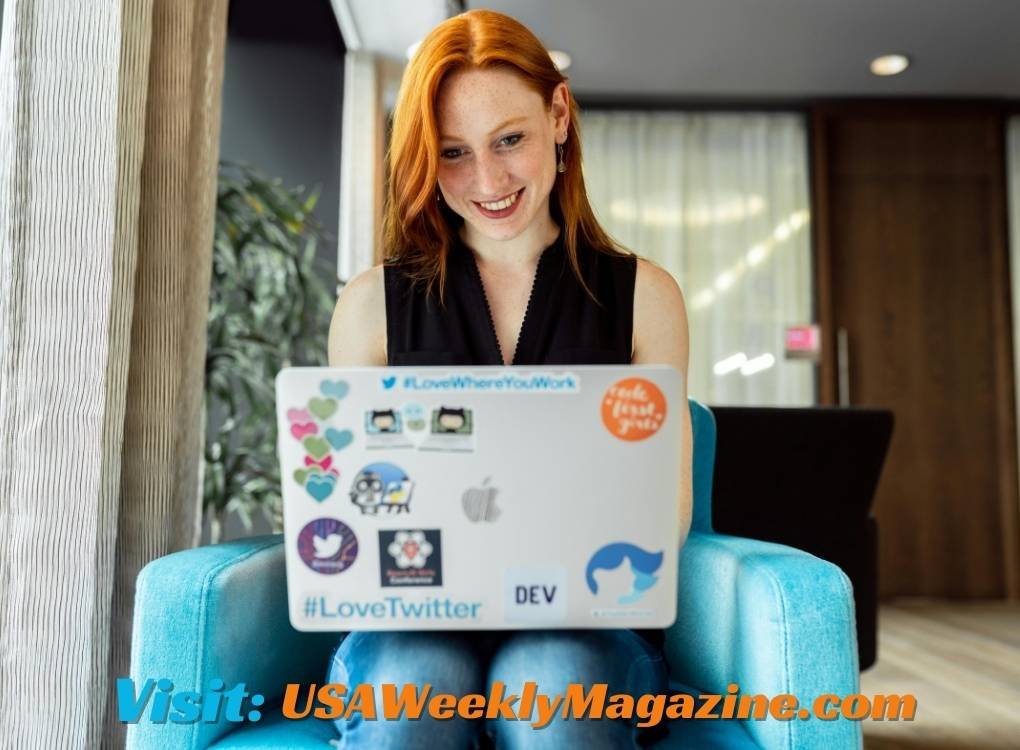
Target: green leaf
{"points": [[270, 303]]}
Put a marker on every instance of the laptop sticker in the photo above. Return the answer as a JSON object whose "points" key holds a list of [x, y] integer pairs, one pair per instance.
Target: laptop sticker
{"points": [[322, 408], [619, 574], [317, 447], [633, 409], [301, 475], [300, 429], [451, 429], [382, 487], [327, 546], [320, 440], [320, 485], [339, 439], [414, 417], [334, 388], [323, 463], [535, 593], [384, 429], [479, 503], [410, 557]]}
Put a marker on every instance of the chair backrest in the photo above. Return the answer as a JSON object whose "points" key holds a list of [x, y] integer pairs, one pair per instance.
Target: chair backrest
{"points": [[703, 430]]}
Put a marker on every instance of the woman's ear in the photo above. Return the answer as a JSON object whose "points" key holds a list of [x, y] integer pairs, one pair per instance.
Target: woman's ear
{"points": [[560, 110]]}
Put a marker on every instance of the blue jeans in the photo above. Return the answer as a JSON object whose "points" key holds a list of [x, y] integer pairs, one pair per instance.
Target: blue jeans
{"points": [[470, 662]]}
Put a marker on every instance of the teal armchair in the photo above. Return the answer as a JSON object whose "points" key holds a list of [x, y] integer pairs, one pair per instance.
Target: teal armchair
{"points": [[769, 618]]}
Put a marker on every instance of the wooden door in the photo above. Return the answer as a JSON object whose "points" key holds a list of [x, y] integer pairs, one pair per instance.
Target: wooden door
{"points": [[912, 264]]}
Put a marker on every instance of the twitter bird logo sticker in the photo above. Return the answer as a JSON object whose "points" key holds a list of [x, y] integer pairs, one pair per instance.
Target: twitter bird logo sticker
{"points": [[327, 546]]}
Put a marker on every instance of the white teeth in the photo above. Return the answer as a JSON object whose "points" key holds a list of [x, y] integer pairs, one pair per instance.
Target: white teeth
{"points": [[500, 205]]}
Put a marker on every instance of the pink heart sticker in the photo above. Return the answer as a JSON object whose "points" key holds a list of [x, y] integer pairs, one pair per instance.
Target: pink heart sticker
{"points": [[300, 430], [298, 415], [324, 463]]}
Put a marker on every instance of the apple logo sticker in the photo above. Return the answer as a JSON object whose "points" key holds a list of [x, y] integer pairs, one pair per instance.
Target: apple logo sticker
{"points": [[480, 503]]}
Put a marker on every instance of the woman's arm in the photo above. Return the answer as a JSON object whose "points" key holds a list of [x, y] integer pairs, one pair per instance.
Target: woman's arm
{"points": [[357, 332], [660, 338]]}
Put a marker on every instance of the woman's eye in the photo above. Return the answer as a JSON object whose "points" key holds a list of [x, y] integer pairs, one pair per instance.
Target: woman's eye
{"points": [[511, 140], [450, 153]]}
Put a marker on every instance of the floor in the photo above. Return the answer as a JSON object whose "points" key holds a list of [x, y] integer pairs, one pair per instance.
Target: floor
{"points": [[962, 662]]}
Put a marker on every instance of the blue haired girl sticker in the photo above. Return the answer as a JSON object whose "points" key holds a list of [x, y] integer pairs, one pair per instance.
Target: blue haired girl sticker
{"points": [[642, 566]]}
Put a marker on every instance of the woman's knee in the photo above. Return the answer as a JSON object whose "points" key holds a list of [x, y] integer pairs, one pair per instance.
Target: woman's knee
{"points": [[554, 659], [448, 661]]}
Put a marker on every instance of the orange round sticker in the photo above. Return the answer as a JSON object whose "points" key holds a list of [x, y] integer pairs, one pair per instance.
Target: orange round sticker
{"points": [[633, 409]]}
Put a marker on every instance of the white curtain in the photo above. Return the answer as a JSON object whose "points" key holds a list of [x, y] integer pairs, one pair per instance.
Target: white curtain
{"points": [[1013, 196], [109, 133], [361, 165], [721, 201]]}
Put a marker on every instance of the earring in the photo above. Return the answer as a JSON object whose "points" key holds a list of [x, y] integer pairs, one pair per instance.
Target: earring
{"points": [[562, 166]]}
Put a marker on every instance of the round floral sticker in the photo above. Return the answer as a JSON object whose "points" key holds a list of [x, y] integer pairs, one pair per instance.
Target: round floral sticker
{"points": [[633, 409]]}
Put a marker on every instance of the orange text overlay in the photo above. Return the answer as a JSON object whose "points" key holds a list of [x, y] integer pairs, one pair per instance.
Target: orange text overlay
{"points": [[389, 701]]}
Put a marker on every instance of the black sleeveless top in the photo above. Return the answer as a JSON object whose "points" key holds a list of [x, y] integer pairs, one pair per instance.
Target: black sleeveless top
{"points": [[562, 324]]}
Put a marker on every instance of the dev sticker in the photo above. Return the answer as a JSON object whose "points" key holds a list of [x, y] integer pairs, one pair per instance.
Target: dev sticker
{"points": [[535, 593]]}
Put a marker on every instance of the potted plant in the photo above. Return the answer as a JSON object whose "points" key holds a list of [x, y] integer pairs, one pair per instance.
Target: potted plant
{"points": [[270, 304]]}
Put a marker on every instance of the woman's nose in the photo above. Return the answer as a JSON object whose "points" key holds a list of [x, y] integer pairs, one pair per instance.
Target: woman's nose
{"points": [[490, 176]]}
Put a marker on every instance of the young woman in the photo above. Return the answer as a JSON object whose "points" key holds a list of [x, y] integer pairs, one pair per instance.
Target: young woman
{"points": [[494, 256]]}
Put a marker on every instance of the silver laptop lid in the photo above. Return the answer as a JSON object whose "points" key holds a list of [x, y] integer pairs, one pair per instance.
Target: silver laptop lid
{"points": [[480, 497]]}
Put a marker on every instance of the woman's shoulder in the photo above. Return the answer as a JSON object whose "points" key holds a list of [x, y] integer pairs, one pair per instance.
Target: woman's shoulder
{"points": [[653, 280], [366, 287], [660, 315], [357, 332]]}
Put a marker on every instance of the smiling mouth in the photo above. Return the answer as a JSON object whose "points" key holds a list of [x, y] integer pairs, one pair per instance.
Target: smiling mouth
{"points": [[500, 206]]}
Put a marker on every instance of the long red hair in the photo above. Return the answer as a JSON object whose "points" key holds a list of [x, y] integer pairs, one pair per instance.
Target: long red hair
{"points": [[418, 230]]}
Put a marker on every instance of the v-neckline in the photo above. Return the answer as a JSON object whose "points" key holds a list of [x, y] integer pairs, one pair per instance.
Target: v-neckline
{"points": [[496, 350]]}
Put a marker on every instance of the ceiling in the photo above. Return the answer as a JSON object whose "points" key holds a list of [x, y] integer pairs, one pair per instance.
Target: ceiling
{"points": [[752, 49], [388, 27], [779, 48]]}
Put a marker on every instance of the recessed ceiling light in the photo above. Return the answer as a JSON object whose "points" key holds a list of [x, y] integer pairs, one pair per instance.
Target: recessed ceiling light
{"points": [[412, 48], [889, 65], [560, 59]]}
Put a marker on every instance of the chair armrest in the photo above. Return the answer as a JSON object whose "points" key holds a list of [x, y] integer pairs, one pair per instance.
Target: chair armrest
{"points": [[218, 611], [773, 620]]}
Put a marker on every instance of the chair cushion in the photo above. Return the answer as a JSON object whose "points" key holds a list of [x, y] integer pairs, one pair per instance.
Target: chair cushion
{"points": [[314, 734], [274, 732], [703, 734]]}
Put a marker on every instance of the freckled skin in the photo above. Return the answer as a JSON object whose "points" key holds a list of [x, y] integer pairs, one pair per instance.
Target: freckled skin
{"points": [[489, 166]]}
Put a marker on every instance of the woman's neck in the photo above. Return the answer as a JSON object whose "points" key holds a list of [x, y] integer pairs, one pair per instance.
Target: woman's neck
{"points": [[522, 251]]}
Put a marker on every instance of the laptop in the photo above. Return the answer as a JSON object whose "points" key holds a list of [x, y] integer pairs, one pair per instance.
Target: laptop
{"points": [[478, 498]]}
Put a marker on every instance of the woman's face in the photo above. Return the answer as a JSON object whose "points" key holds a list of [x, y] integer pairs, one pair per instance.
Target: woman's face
{"points": [[497, 150]]}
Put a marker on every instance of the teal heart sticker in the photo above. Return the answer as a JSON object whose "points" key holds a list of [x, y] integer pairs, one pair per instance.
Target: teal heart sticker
{"points": [[335, 388], [320, 486], [339, 439]]}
